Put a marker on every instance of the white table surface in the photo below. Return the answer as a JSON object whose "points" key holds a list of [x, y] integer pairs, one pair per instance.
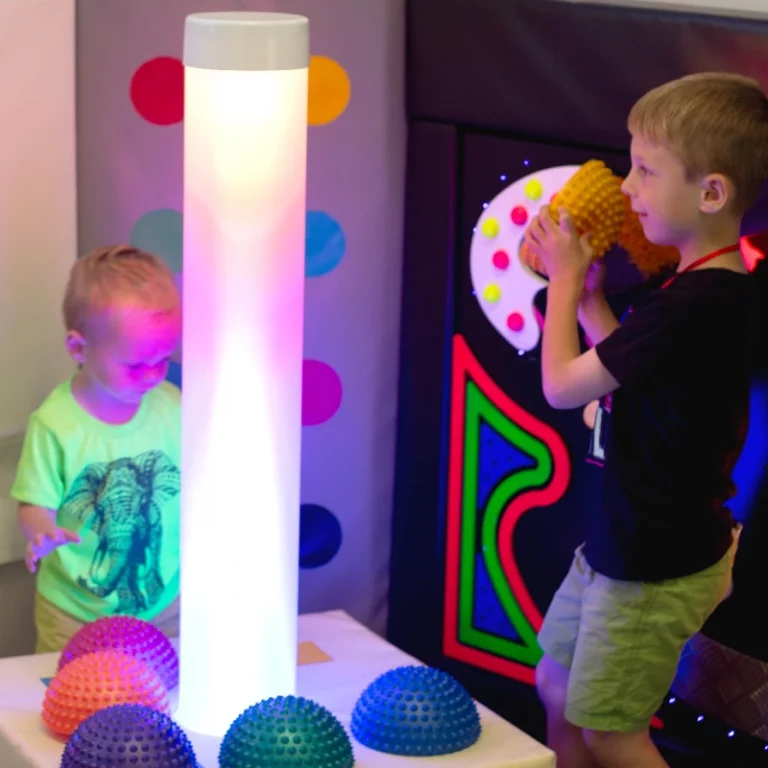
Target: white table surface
{"points": [[358, 657]]}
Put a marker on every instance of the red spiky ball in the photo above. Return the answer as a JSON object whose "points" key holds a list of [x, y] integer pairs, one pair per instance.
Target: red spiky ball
{"points": [[98, 680]]}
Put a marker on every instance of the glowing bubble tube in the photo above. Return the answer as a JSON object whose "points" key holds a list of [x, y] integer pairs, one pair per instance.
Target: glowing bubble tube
{"points": [[245, 145]]}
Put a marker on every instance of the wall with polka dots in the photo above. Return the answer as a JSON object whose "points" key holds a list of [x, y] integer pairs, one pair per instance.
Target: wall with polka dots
{"points": [[130, 117]]}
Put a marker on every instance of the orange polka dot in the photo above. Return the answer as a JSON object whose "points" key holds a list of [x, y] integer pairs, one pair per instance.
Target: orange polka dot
{"points": [[329, 90]]}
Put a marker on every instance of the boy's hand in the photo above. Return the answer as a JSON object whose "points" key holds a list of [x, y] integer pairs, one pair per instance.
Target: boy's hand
{"points": [[563, 254], [594, 282], [38, 527], [45, 542]]}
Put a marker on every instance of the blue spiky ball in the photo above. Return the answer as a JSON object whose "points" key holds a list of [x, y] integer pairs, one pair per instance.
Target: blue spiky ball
{"points": [[417, 712], [128, 735], [286, 732]]}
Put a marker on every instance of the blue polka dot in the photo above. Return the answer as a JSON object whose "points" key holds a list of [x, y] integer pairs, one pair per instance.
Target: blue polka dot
{"points": [[161, 232], [174, 373], [320, 538], [326, 244]]}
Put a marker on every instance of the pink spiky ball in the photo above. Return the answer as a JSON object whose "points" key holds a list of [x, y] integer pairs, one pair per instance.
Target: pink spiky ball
{"points": [[96, 681], [130, 635]]}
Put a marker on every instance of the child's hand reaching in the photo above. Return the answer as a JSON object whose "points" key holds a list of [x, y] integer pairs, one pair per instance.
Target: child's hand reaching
{"points": [[38, 526], [43, 543]]}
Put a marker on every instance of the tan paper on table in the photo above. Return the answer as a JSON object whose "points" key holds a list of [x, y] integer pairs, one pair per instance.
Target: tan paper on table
{"points": [[309, 653]]}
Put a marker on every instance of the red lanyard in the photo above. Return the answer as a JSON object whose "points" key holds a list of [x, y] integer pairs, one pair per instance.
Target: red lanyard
{"points": [[703, 260]]}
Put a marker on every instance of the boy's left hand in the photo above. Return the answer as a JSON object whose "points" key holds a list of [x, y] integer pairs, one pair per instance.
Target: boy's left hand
{"points": [[564, 254]]}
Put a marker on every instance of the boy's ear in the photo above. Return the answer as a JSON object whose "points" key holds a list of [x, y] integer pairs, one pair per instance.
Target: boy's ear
{"points": [[76, 346], [716, 192]]}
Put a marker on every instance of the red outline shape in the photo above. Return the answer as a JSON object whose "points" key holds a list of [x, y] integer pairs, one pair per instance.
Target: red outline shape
{"points": [[465, 364]]}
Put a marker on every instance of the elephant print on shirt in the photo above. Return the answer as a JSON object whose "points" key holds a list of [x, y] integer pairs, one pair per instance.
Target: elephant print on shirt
{"points": [[122, 502]]}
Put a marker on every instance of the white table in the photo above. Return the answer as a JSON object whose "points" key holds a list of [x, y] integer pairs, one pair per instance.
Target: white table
{"points": [[358, 657]]}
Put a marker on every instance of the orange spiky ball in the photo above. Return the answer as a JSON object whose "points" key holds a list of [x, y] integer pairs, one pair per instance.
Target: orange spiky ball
{"points": [[648, 257], [96, 681], [595, 204]]}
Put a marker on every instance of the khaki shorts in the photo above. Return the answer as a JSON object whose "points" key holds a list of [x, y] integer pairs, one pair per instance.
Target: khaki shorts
{"points": [[622, 640], [55, 628]]}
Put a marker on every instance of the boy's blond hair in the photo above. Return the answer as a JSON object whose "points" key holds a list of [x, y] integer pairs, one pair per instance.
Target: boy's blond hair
{"points": [[117, 275], [714, 122]]}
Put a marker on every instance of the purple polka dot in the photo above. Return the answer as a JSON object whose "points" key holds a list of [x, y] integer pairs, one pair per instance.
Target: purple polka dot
{"points": [[321, 393]]}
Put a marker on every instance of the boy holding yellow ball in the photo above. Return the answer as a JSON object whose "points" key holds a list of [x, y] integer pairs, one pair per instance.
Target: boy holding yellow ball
{"points": [[673, 386]]}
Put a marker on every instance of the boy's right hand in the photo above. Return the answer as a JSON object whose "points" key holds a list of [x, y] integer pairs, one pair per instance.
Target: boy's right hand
{"points": [[45, 542], [38, 527], [593, 283]]}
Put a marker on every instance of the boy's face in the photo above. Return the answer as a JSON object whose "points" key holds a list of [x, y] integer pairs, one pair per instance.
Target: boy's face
{"points": [[128, 350], [668, 204]]}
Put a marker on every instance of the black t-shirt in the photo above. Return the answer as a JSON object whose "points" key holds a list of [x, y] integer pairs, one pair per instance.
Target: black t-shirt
{"points": [[667, 440]]}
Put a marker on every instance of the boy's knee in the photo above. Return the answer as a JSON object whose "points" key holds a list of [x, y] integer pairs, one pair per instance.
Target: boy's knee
{"points": [[609, 748], [552, 683]]}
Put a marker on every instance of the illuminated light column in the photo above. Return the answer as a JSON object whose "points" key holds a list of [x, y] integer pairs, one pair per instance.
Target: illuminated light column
{"points": [[245, 144]]}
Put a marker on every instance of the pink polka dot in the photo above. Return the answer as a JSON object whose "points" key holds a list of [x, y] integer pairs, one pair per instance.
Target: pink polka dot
{"points": [[500, 260], [157, 90], [515, 322], [519, 215], [321, 393]]}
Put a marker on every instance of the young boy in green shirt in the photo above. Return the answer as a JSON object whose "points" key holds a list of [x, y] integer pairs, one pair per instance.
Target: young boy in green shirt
{"points": [[98, 479]]}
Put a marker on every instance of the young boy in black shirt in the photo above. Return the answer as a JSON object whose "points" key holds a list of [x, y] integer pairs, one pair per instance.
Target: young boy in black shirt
{"points": [[673, 385]]}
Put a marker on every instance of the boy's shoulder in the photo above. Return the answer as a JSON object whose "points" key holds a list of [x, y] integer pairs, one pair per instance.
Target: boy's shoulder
{"points": [[703, 291], [57, 410]]}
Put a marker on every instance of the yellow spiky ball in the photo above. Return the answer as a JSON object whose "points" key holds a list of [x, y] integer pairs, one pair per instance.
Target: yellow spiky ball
{"points": [[648, 257], [595, 204]]}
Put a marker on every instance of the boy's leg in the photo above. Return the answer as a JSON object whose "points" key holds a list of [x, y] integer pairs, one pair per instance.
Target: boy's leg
{"points": [[565, 739], [629, 645], [54, 627], [557, 639]]}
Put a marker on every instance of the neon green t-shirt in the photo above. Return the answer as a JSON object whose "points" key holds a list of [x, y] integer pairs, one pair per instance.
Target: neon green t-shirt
{"points": [[116, 485]]}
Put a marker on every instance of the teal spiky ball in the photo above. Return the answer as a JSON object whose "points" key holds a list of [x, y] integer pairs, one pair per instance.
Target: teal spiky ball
{"points": [[286, 732], [417, 712]]}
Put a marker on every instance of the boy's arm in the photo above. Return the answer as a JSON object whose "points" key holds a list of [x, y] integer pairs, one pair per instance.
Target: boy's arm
{"points": [[35, 520], [631, 353], [39, 529], [38, 489], [596, 317], [571, 379]]}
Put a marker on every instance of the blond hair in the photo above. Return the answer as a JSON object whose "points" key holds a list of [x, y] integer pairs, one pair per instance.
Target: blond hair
{"points": [[117, 275], [714, 122]]}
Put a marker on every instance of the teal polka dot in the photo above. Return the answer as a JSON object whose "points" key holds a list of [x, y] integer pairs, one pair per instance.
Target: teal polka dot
{"points": [[326, 244], [161, 232]]}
